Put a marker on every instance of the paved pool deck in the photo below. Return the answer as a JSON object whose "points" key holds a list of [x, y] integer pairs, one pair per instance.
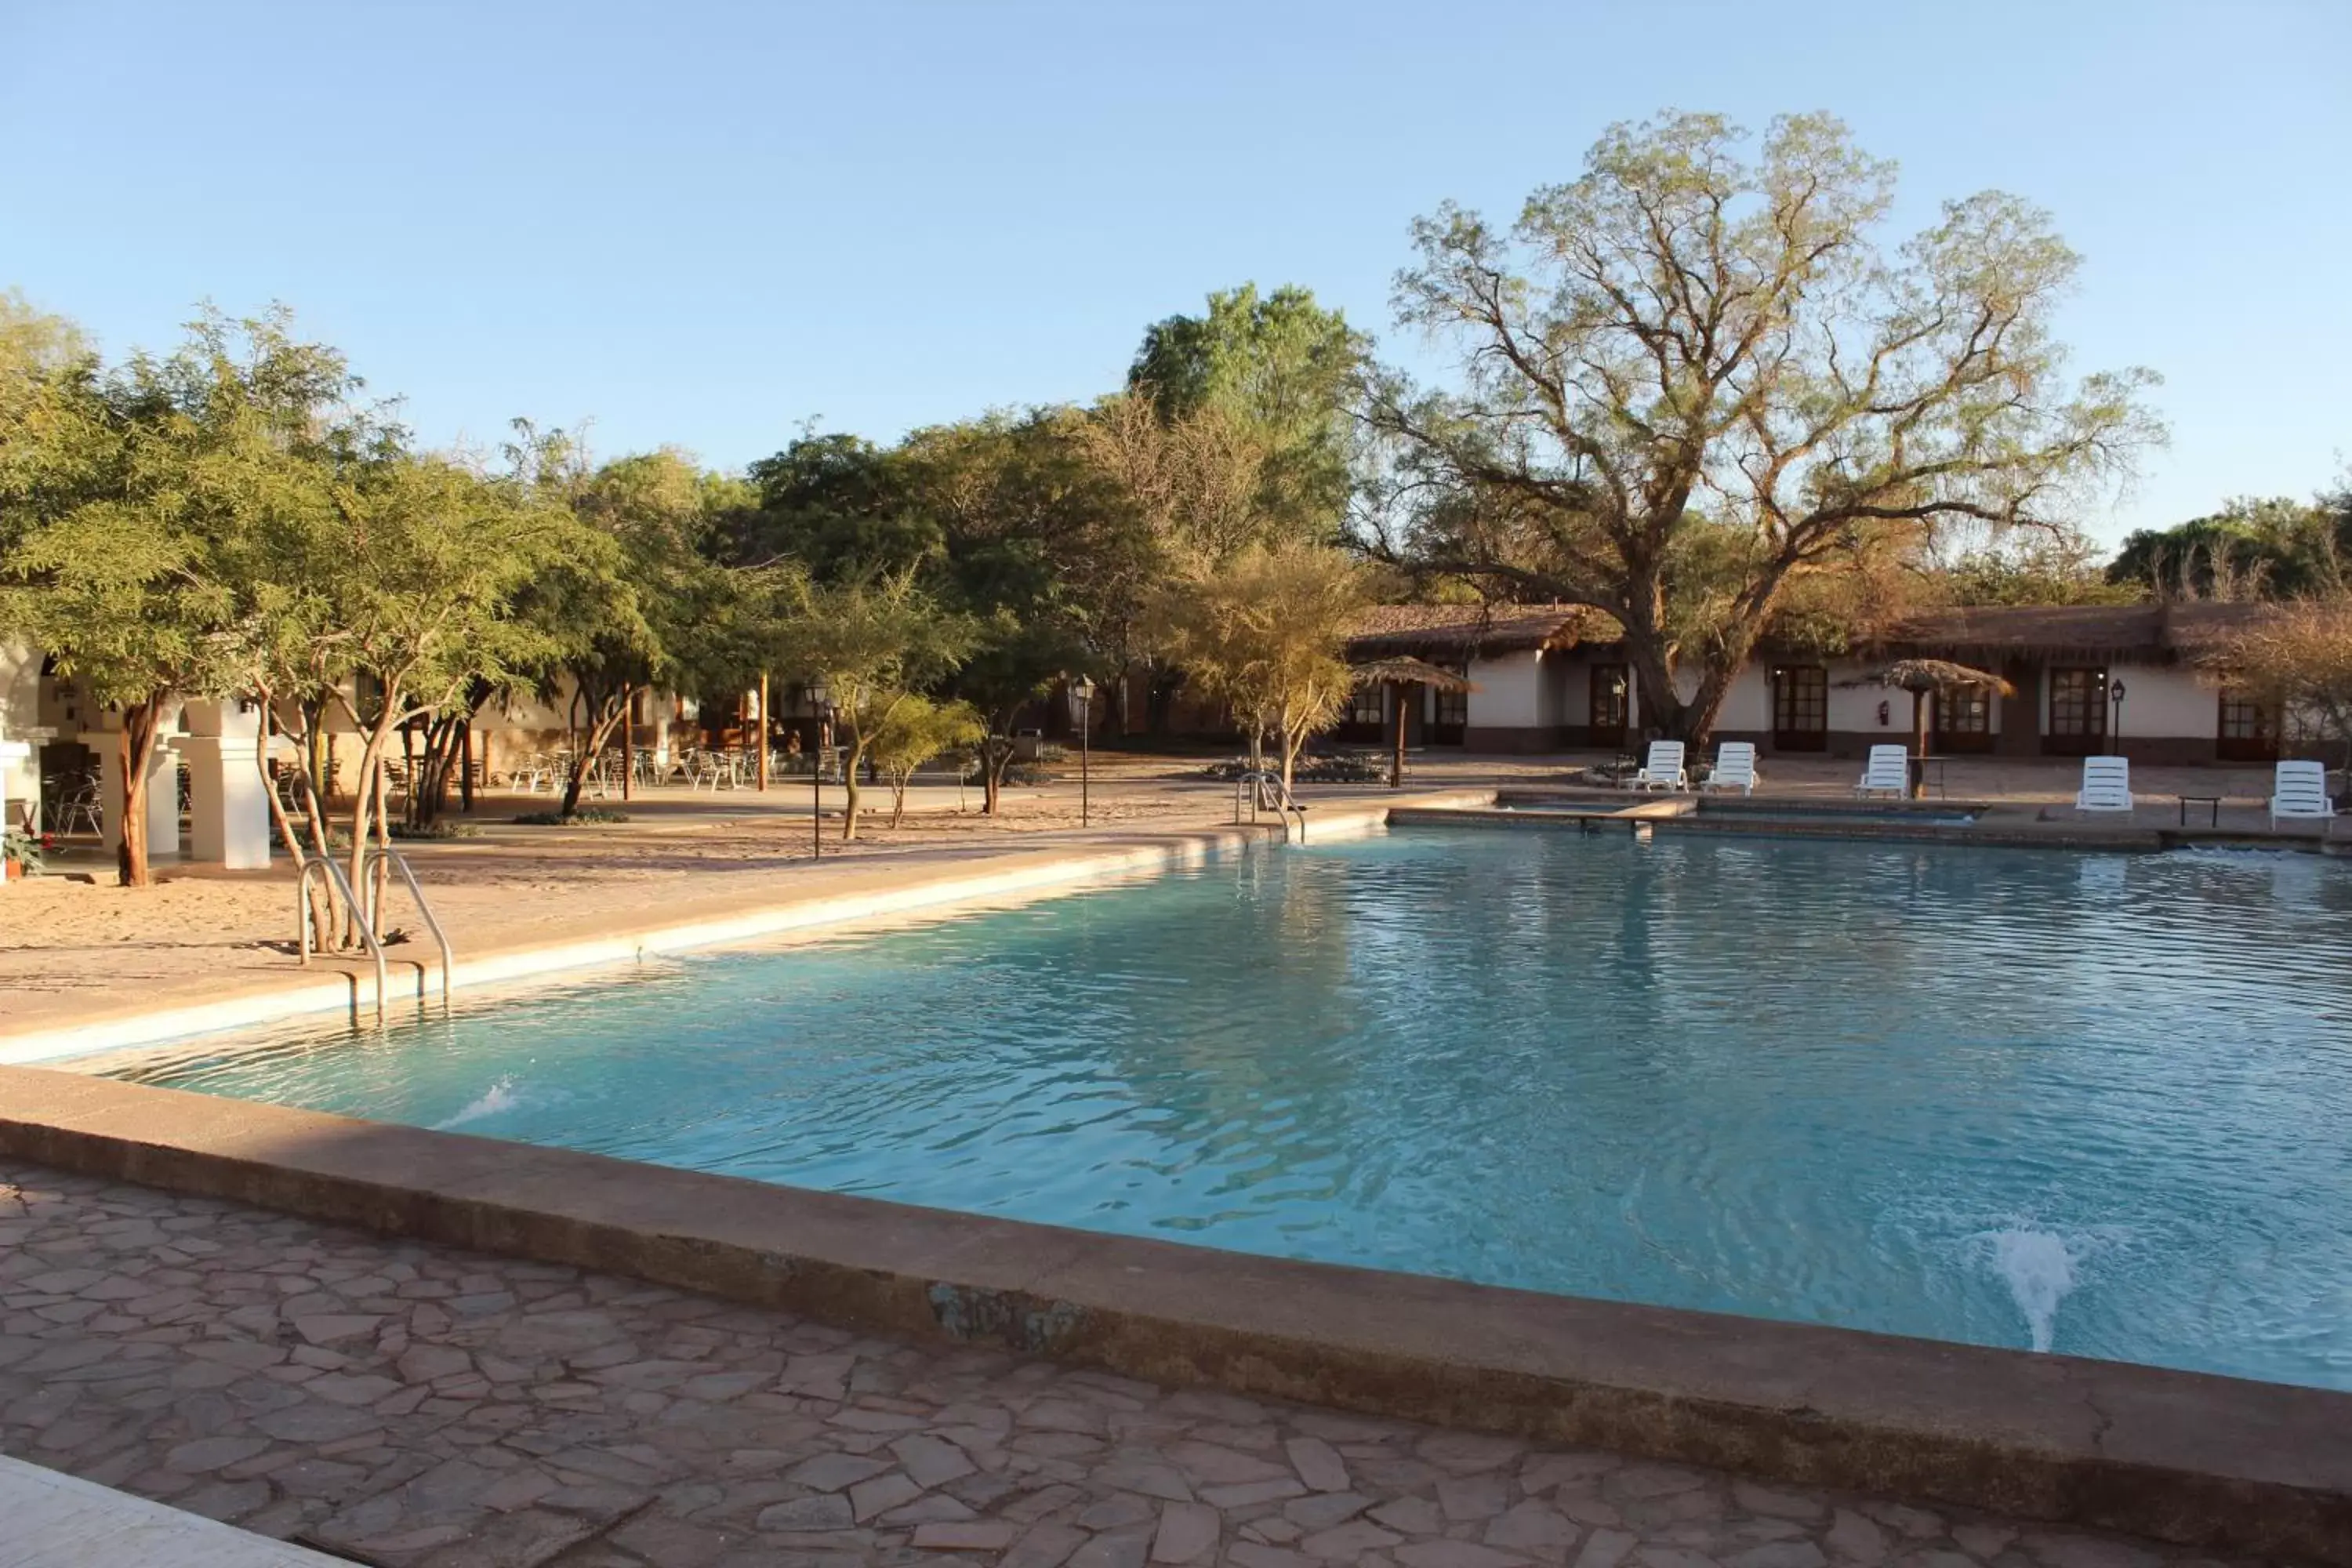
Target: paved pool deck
{"points": [[415, 1405]]}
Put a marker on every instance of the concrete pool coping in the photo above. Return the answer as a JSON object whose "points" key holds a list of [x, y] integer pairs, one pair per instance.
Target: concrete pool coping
{"points": [[2207, 1461], [875, 892]]}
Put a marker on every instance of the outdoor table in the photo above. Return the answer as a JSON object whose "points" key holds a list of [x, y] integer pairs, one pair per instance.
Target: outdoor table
{"points": [[1919, 766], [2212, 803]]}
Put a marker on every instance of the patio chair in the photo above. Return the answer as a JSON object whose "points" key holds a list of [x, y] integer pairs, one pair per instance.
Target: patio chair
{"points": [[1735, 767], [82, 805], [2299, 794], [2106, 784], [1888, 772], [1663, 768]]}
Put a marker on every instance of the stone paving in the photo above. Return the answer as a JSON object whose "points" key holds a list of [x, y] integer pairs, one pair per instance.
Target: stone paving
{"points": [[416, 1407]]}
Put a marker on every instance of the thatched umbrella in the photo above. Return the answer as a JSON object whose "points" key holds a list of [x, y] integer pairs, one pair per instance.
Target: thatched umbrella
{"points": [[1397, 674], [1921, 677]]}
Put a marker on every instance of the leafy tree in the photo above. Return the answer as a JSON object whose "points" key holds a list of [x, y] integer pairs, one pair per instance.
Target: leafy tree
{"points": [[1683, 339], [2267, 547], [141, 499], [917, 730], [2056, 569], [1280, 367], [1034, 541], [432, 557], [874, 643], [1266, 632], [838, 505]]}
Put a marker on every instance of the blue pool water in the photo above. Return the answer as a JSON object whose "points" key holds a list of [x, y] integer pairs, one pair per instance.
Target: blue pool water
{"points": [[2094, 1103]]}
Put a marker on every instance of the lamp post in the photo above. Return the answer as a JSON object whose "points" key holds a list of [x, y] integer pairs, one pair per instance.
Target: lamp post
{"points": [[821, 707], [1083, 689], [2115, 729]]}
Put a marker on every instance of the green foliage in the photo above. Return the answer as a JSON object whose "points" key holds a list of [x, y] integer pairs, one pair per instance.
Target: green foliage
{"points": [[587, 816], [23, 849], [917, 730], [1280, 366], [838, 505], [2040, 571], [875, 643], [2254, 547], [1266, 634]]}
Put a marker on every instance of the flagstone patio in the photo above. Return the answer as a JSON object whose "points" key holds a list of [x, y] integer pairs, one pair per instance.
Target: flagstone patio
{"points": [[416, 1407]]}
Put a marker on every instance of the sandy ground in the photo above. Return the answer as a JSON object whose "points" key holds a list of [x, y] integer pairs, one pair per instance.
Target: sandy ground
{"points": [[72, 941]]}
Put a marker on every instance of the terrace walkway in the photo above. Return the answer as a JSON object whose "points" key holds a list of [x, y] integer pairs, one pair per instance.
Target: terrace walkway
{"points": [[403, 1404]]}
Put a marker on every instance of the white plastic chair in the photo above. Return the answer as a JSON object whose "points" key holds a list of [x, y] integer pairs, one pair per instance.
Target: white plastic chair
{"points": [[2299, 792], [1888, 772], [1735, 767], [2106, 784], [1662, 769]]}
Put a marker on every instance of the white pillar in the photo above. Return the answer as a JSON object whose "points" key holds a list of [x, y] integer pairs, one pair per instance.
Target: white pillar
{"points": [[228, 819]]}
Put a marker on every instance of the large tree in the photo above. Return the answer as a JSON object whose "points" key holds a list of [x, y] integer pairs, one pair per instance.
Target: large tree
{"points": [[1691, 377], [1038, 552], [141, 504]]}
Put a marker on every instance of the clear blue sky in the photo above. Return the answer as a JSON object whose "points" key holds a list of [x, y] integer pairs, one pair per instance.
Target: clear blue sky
{"points": [[704, 224]]}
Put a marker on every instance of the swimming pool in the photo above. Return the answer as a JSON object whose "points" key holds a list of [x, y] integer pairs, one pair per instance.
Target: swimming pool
{"points": [[2089, 1102]]}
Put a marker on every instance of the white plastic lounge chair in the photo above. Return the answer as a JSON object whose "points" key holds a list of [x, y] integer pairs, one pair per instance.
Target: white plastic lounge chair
{"points": [[1888, 772], [2299, 794], [2106, 784], [1735, 767], [1663, 770]]}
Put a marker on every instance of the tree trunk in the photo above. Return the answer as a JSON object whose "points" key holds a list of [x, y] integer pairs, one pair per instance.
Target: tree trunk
{"points": [[899, 781], [629, 742], [849, 766], [608, 717], [367, 807], [1397, 690], [995, 755], [1918, 745], [465, 764], [136, 748]]}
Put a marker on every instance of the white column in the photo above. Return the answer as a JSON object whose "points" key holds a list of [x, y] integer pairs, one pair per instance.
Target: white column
{"points": [[228, 810]]}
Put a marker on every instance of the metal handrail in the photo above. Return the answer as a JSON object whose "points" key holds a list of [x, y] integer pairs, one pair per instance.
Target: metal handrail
{"points": [[399, 862], [339, 883], [1262, 785]]}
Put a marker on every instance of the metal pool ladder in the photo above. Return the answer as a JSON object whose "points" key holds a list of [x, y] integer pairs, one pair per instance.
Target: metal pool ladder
{"points": [[1263, 787], [337, 885], [363, 917], [380, 858]]}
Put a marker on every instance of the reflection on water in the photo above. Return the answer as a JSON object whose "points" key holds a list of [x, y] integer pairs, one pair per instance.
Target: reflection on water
{"points": [[2092, 1103]]}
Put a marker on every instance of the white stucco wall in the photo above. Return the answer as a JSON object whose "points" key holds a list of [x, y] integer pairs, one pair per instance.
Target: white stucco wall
{"points": [[1747, 706], [2165, 702], [1508, 692], [1854, 708]]}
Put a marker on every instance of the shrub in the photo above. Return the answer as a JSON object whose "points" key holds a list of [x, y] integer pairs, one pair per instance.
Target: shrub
{"points": [[586, 817], [434, 831], [25, 849]]}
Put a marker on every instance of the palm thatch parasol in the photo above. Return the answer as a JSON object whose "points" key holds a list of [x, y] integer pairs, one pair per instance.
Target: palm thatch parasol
{"points": [[1397, 674], [1920, 677]]}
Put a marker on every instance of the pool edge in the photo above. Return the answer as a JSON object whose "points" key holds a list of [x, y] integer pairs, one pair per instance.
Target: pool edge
{"points": [[1015, 871], [2201, 1460]]}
